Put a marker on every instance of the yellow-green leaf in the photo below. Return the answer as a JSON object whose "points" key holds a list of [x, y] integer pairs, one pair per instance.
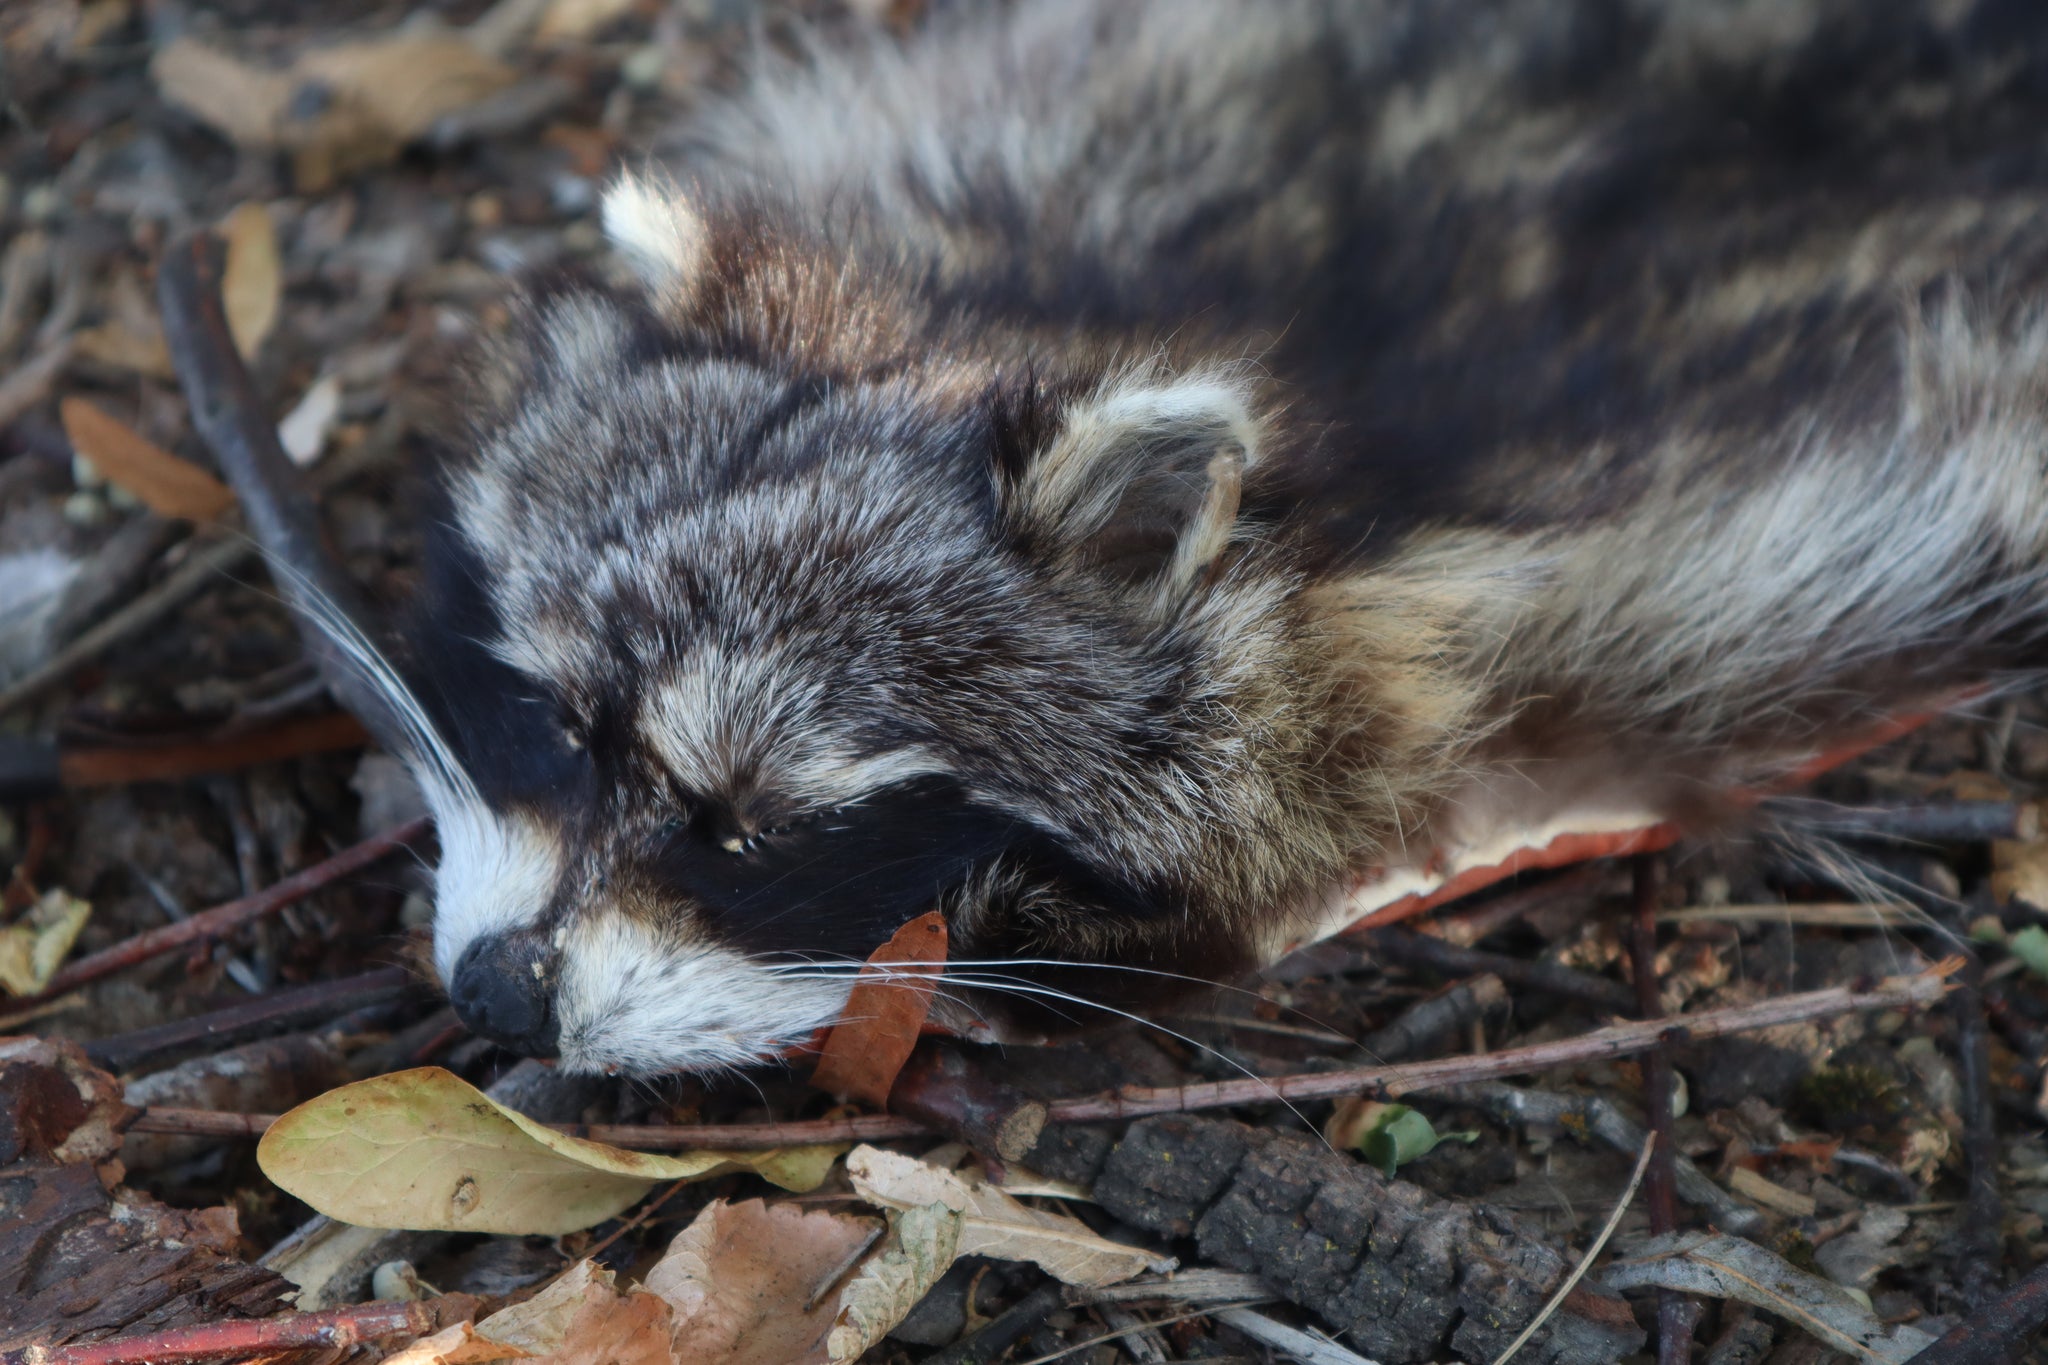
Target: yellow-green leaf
{"points": [[34, 946], [922, 1245], [424, 1149]]}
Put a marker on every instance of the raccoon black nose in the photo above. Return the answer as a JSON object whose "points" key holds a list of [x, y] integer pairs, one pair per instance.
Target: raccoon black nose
{"points": [[503, 989]]}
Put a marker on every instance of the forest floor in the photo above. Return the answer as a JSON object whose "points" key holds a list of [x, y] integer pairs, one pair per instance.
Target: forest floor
{"points": [[379, 172]]}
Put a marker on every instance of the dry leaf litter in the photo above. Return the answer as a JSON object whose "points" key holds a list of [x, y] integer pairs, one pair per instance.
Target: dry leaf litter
{"points": [[1847, 1189]]}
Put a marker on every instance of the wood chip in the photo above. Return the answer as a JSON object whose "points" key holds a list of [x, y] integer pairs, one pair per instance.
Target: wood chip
{"points": [[1771, 1195]]}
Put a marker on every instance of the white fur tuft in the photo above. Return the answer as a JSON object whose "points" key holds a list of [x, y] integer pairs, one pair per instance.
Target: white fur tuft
{"points": [[652, 223]]}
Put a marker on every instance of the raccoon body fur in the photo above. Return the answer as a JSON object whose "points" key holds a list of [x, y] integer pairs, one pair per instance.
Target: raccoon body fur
{"points": [[1113, 471]]}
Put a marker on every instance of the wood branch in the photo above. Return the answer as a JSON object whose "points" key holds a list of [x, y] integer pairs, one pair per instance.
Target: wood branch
{"points": [[236, 425], [336, 1329], [1994, 1333], [109, 764], [1677, 1315], [1946, 822], [941, 1087], [1444, 1019], [1619, 1040], [275, 1012], [207, 563], [225, 919]]}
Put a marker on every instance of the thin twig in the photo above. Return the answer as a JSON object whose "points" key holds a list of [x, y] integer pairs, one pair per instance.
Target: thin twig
{"points": [[1993, 1333], [1619, 1040], [1002, 1332], [1944, 822], [1411, 949], [1977, 1249], [1571, 1281], [271, 1013], [208, 562], [1675, 1313], [1822, 914], [338, 1328], [225, 919]]}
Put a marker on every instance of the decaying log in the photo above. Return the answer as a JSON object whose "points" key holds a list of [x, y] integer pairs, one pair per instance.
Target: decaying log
{"points": [[1407, 1276]]}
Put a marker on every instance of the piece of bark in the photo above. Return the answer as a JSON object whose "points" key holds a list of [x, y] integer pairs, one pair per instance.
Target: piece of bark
{"points": [[82, 1258], [1406, 1275]]}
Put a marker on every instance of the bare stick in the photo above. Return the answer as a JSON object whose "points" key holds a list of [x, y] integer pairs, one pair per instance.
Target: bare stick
{"points": [[231, 417], [1993, 1333], [1676, 1314], [338, 1328], [1411, 949], [1619, 1040], [204, 566], [225, 919], [270, 1013], [1945, 822]]}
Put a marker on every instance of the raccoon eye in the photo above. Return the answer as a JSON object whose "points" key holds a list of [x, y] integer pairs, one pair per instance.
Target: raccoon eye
{"points": [[743, 844]]}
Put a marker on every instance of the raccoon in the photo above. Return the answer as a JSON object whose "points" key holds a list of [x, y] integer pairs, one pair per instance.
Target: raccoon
{"points": [[1111, 471]]}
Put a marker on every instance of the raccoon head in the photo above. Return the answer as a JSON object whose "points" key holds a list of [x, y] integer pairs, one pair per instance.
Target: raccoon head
{"points": [[747, 636]]}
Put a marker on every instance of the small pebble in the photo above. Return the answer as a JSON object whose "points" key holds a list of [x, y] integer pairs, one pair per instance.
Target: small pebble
{"points": [[86, 509], [643, 67]]}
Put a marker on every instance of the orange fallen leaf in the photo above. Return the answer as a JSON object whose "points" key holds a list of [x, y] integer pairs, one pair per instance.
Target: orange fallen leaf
{"points": [[884, 1013], [162, 482]]}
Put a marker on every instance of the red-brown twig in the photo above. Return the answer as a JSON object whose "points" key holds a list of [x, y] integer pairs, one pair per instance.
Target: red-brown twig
{"points": [[1619, 1040], [225, 919], [337, 1328]]}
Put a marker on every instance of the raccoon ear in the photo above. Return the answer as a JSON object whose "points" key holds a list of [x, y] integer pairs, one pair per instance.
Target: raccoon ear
{"points": [[653, 226], [1141, 483]]}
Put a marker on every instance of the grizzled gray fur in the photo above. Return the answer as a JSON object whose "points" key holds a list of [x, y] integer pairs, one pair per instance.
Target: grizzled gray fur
{"points": [[1114, 471]]}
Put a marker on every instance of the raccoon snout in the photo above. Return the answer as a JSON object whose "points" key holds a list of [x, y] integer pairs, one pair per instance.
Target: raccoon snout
{"points": [[503, 989]]}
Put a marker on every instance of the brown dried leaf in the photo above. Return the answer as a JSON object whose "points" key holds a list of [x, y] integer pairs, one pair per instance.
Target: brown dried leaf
{"points": [[114, 345], [994, 1223], [403, 84], [750, 1282], [245, 102], [375, 96], [92, 1126], [582, 1319], [161, 481], [884, 1013], [253, 279]]}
